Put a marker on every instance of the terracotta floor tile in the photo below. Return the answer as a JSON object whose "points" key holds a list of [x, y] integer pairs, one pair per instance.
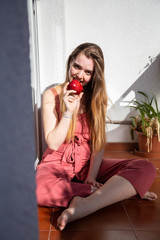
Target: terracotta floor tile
{"points": [[93, 235], [43, 235], [144, 214], [148, 235], [111, 217], [156, 188], [55, 214], [156, 163], [44, 216]]}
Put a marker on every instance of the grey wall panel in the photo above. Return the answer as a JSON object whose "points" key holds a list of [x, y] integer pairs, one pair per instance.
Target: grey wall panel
{"points": [[18, 209]]}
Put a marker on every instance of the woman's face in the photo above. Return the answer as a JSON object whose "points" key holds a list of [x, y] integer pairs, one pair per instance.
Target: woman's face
{"points": [[81, 69]]}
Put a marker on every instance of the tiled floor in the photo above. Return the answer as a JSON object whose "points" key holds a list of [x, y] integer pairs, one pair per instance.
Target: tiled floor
{"points": [[132, 219]]}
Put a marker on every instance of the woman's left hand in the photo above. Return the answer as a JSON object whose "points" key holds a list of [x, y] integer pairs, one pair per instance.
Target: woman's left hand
{"points": [[90, 180]]}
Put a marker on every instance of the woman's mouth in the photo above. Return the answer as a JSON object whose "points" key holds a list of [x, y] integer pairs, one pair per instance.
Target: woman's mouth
{"points": [[79, 80], [76, 86]]}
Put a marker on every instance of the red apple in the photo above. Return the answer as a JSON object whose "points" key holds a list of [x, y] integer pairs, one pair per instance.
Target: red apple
{"points": [[75, 85]]}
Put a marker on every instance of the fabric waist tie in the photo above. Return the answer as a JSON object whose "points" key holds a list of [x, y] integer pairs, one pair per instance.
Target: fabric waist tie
{"points": [[72, 153]]}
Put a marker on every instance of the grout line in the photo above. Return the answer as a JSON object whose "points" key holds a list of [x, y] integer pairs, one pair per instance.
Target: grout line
{"points": [[50, 225], [129, 220], [49, 232]]}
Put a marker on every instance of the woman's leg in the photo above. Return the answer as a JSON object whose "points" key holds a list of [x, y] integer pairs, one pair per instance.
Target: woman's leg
{"points": [[114, 190], [139, 172], [125, 181], [54, 187]]}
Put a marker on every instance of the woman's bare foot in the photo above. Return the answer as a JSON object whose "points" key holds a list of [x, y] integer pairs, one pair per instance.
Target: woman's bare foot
{"points": [[150, 196], [76, 210]]}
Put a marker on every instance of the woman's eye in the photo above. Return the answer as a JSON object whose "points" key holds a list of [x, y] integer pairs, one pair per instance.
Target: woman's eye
{"points": [[88, 73], [76, 66]]}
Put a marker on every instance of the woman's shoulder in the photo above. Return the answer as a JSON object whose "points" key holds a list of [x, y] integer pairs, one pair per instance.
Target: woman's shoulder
{"points": [[50, 94], [58, 89]]}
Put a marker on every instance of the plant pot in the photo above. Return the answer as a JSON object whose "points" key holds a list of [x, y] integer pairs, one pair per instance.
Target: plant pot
{"points": [[142, 141]]}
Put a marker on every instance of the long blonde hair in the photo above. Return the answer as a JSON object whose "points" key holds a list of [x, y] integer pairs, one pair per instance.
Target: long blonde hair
{"points": [[97, 100]]}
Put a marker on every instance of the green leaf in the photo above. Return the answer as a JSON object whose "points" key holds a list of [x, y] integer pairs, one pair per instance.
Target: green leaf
{"points": [[134, 123], [156, 104], [151, 101], [144, 94], [143, 127], [158, 114], [148, 107]]}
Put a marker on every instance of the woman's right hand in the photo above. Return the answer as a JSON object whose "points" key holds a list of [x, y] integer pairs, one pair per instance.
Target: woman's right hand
{"points": [[71, 100]]}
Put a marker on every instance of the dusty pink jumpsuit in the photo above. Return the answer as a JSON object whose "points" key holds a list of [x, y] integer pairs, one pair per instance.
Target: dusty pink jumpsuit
{"points": [[61, 174]]}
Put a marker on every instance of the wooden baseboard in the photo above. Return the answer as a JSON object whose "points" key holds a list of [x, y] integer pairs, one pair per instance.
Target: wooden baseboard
{"points": [[121, 146], [153, 155]]}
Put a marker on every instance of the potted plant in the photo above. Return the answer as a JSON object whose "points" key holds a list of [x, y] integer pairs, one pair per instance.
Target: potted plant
{"points": [[147, 124]]}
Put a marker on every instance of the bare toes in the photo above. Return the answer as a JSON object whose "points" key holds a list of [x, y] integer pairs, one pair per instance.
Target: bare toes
{"points": [[62, 221], [150, 196]]}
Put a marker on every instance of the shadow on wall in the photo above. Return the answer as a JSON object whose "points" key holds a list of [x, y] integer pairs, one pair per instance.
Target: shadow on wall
{"points": [[148, 82]]}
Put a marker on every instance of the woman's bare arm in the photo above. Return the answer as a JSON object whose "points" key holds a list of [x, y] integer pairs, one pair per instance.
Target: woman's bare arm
{"points": [[56, 131], [95, 163]]}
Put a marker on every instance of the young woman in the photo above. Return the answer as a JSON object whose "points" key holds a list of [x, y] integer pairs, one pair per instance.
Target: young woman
{"points": [[73, 172]]}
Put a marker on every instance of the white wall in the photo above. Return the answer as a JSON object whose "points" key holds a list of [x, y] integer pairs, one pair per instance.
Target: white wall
{"points": [[50, 15], [126, 30]]}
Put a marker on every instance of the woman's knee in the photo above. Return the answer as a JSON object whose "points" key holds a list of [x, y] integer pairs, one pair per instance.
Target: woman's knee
{"points": [[148, 168]]}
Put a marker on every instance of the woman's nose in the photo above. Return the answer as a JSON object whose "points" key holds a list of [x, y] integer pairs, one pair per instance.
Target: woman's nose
{"points": [[80, 74]]}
